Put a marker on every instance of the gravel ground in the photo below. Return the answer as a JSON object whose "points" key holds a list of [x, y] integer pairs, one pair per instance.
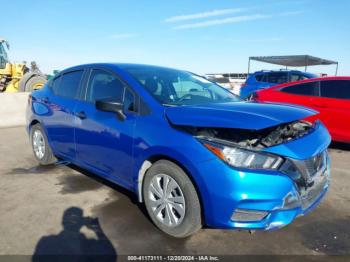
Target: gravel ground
{"points": [[34, 199]]}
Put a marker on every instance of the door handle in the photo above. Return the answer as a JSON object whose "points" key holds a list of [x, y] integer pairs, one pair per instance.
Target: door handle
{"points": [[81, 115], [316, 103], [320, 104]]}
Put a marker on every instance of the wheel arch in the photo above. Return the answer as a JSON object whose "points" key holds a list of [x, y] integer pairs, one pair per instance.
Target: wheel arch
{"points": [[154, 158], [33, 122], [37, 121]]}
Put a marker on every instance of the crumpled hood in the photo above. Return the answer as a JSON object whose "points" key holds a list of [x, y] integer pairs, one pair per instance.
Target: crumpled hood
{"points": [[242, 115]]}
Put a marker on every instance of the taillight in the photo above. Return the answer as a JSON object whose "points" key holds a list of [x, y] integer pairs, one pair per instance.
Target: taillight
{"points": [[243, 85]]}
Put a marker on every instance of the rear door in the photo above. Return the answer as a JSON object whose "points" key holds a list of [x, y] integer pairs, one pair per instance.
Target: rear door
{"points": [[335, 103], [59, 125], [103, 142]]}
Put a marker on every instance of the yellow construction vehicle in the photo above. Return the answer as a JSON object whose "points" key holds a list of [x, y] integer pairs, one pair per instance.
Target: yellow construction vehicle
{"points": [[17, 77]]}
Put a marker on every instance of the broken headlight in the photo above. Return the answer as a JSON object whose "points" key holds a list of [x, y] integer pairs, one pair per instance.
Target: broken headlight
{"points": [[242, 158]]}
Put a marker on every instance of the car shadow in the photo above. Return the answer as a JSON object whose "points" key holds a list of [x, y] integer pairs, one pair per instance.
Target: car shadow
{"points": [[340, 146], [122, 212], [73, 245], [77, 184], [37, 169], [132, 197]]}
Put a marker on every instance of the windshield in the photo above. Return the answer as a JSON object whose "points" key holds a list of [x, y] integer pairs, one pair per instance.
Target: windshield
{"points": [[3, 56], [175, 87]]}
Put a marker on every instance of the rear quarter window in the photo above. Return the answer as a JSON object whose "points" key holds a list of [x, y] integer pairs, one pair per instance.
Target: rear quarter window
{"points": [[67, 85], [54, 85], [339, 89]]}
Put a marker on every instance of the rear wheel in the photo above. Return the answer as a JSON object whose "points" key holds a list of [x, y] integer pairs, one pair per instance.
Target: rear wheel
{"points": [[171, 199], [40, 146]]}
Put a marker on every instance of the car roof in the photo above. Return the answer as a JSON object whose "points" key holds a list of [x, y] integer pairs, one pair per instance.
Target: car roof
{"points": [[281, 70], [121, 66], [325, 78]]}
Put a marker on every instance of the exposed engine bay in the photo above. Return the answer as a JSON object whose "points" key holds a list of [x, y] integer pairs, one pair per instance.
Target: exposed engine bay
{"points": [[254, 139]]}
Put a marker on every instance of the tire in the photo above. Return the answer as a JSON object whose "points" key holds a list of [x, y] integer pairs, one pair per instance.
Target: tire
{"points": [[34, 83], [44, 156], [24, 80], [184, 212]]}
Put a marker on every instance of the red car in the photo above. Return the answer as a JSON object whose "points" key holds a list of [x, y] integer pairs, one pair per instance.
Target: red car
{"points": [[328, 95]]}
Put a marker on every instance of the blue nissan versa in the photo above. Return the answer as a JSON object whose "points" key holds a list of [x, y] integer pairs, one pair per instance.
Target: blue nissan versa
{"points": [[194, 153]]}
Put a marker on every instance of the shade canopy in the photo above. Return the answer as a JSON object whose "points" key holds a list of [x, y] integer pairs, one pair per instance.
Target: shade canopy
{"points": [[293, 60]]}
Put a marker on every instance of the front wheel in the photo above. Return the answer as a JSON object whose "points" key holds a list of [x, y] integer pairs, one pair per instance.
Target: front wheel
{"points": [[171, 199], [40, 145]]}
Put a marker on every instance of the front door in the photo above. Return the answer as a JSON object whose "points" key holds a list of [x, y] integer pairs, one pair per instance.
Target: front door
{"points": [[103, 142]]}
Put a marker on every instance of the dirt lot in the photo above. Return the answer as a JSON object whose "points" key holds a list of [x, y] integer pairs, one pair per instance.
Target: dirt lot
{"points": [[34, 199]]}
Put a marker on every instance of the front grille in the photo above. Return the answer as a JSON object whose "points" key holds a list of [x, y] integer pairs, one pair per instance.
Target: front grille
{"points": [[310, 176], [315, 164], [310, 167], [311, 194]]}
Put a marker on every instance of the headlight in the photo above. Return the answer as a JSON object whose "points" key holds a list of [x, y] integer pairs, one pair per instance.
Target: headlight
{"points": [[242, 158]]}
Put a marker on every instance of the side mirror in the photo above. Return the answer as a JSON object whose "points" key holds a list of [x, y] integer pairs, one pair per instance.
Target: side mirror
{"points": [[110, 105]]}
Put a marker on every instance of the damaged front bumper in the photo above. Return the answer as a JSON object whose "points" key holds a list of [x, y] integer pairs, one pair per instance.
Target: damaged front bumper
{"points": [[268, 200], [296, 203]]}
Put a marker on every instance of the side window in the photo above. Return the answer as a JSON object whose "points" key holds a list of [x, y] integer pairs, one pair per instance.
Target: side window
{"points": [[335, 89], [307, 89], [259, 78], [129, 101], [102, 85], [277, 78], [296, 77]]}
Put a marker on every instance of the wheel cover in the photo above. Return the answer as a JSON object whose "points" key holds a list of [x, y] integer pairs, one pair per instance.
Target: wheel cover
{"points": [[38, 144], [166, 200]]}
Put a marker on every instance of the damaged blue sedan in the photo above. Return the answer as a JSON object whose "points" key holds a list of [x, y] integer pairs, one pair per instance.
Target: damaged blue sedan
{"points": [[192, 152]]}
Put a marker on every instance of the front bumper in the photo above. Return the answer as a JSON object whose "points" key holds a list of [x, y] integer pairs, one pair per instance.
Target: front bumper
{"points": [[226, 190], [282, 216], [258, 192]]}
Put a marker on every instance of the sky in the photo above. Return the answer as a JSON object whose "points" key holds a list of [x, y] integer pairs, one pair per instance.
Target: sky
{"points": [[200, 36]]}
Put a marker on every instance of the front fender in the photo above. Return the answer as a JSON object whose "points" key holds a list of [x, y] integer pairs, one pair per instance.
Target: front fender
{"points": [[158, 152]]}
